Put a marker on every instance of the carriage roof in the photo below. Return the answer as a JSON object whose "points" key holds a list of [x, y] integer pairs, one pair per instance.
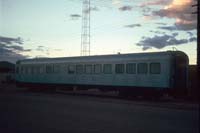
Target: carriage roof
{"points": [[148, 55]]}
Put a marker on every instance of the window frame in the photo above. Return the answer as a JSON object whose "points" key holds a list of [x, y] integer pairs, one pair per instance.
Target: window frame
{"points": [[95, 68], [130, 65], [41, 69], [49, 69], [104, 69], [119, 68], [71, 71], [150, 69], [139, 68], [82, 69], [91, 68], [56, 68]]}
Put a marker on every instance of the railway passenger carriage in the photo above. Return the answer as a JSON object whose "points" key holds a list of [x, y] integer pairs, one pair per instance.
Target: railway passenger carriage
{"points": [[135, 73]]}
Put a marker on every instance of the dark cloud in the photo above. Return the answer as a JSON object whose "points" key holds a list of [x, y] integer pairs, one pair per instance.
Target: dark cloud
{"points": [[155, 2], [126, 8], [10, 49], [46, 50], [11, 44], [157, 32], [169, 28], [40, 48], [75, 16], [193, 39], [190, 33], [94, 8], [7, 54], [146, 10], [18, 48], [133, 25], [9, 40], [159, 23], [162, 41], [178, 27], [186, 26], [175, 34]]}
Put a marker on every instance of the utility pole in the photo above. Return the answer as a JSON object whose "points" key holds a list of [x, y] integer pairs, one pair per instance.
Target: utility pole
{"points": [[85, 33], [196, 83], [198, 35]]}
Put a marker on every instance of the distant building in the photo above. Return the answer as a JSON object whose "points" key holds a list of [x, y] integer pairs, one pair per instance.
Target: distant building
{"points": [[7, 72]]}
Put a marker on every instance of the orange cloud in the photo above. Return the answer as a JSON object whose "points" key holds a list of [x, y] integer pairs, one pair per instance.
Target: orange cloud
{"points": [[181, 11]]}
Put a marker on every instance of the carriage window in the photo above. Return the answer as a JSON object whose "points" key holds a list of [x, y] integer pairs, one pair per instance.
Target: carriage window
{"points": [[142, 68], [97, 68], [155, 68], [107, 68], [49, 69], [88, 69], [71, 69], [131, 68], [119, 68], [79, 69], [57, 68]]}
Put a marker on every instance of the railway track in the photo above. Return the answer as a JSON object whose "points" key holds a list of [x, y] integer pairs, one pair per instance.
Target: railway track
{"points": [[108, 96], [164, 102]]}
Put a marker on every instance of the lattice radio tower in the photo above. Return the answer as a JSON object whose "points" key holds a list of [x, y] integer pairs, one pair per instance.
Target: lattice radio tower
{"points": [[85, 33]]}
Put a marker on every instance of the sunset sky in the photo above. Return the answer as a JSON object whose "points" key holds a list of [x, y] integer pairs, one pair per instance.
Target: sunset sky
{"points": [[52, 28]]}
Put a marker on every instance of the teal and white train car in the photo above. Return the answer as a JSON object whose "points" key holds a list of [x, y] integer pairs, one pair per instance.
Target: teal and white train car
{"points": [[157, 71]]}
